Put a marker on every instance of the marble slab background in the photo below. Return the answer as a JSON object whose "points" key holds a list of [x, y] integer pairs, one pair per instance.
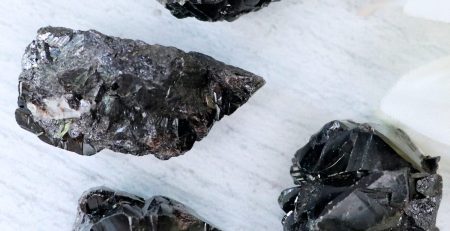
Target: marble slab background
{"points": [[322, 60]]}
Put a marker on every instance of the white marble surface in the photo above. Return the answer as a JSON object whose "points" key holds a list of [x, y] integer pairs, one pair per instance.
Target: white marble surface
{"points": [[322, 60], [437, 10]]}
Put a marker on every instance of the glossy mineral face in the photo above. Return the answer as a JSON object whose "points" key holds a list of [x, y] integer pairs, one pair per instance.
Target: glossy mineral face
{"points": [[84, 91], [103, 209], [354, 177], [213, 10]]}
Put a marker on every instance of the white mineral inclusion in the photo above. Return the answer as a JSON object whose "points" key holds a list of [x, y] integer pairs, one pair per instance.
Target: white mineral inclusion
{"points": [[419, 104], [57, 109], [437, 10]]}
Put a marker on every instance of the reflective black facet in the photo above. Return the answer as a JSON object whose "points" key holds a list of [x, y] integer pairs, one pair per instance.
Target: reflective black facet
{"points": [[354, 177], [102, 209], [84, 91], [213, 10]]}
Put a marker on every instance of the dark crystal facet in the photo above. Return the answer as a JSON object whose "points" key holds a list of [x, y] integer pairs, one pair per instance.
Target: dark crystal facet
{"points": [[213, 10], [354, 176], [84, 91], [102, 209]]}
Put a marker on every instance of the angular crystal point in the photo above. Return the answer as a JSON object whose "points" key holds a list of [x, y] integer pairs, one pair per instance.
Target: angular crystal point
{"points": [[84, 91], [213, 10], [104, 209], [354, 176]]}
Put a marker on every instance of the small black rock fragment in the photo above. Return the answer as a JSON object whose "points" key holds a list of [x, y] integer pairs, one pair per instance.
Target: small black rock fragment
{"points": [[84, 91], [213, 10], [354, 176], [103, 209]]}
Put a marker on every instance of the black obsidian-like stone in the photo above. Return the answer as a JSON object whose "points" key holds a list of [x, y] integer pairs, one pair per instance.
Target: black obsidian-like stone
{"points": [[213, 10], [103, 209], [354, 176], [84, 91]]}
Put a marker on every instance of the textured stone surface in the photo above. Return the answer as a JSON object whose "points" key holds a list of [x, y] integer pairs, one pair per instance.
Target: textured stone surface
{"points": [[103, 209], [352, 177], [311, 79], [213, 10], [84, 91]]}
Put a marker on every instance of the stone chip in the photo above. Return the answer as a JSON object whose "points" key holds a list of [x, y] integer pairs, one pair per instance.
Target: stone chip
{"points": [[352, 176], [85, 91], [213, 10], [103, 209]]}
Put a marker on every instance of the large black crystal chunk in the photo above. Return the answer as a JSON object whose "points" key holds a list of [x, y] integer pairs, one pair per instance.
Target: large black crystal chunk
{"points": [[84, 91], [102, 209], [213, 10], [354, 176]]}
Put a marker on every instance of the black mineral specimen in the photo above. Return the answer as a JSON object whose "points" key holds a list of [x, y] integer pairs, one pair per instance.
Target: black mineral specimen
{"points": [[102, 209], [361, 177], [213, 10], [84, 91]]}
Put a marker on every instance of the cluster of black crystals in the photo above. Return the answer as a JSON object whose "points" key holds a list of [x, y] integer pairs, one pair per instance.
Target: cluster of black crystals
{"points": [[213, 10], [354, 176], [84, 91], [102, 209]]}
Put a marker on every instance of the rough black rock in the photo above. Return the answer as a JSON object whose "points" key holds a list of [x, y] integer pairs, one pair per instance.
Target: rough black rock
{"points": [[361, 177], [103, 209], [84, 91], [213, 10]]}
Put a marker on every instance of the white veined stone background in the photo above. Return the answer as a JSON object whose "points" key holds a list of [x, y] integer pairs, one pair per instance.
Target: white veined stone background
{"points": [[322, 60]]}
